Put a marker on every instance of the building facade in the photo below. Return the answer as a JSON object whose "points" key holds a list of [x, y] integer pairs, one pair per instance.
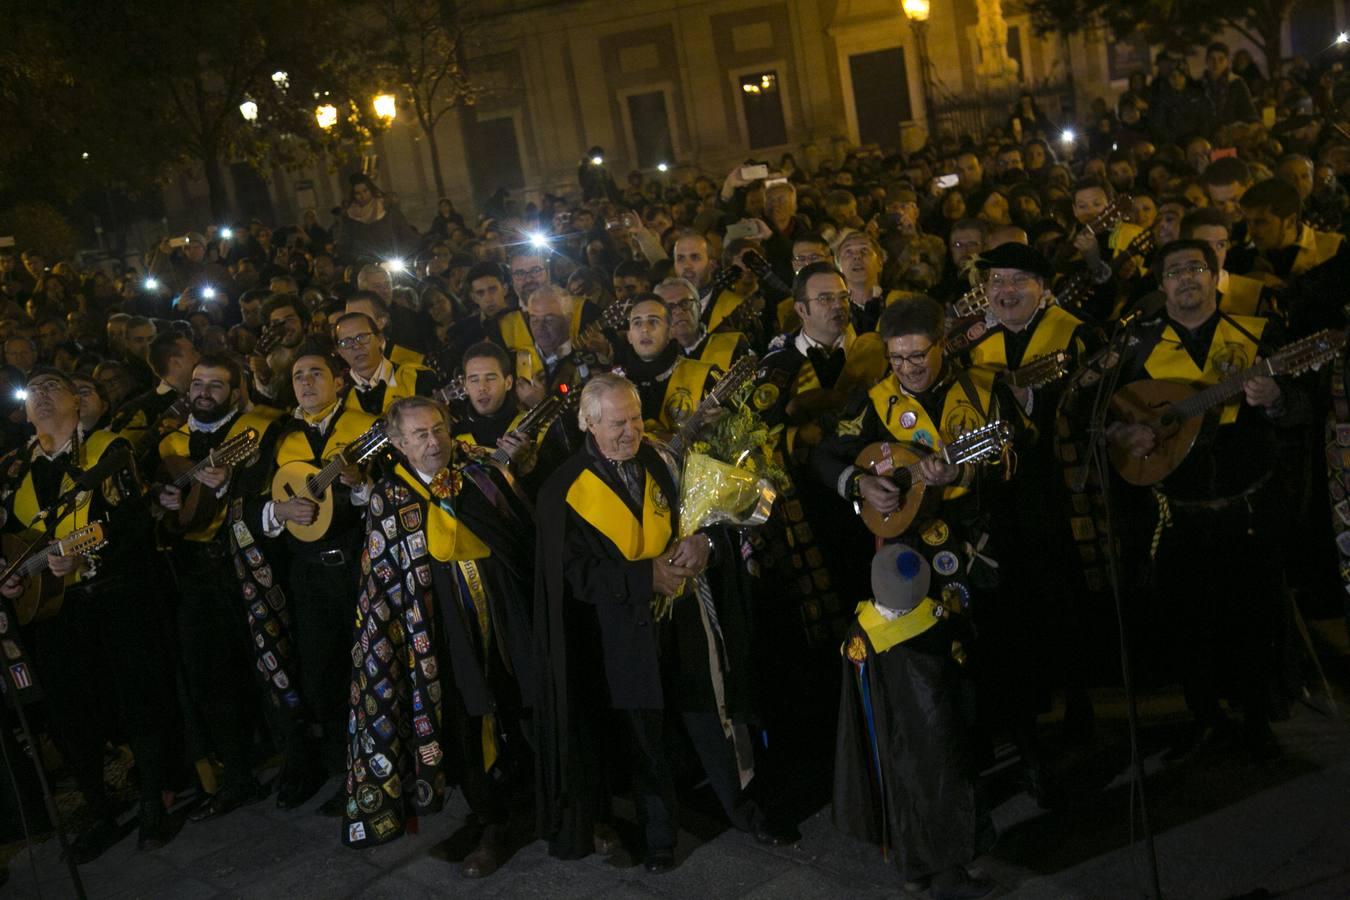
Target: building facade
{"points": [[708, 83]]}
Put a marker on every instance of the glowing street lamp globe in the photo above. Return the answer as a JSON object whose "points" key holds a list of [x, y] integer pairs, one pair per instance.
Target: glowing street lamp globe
{"points": [[916, 10], [386, 107], [326, 116], [249, 110]]}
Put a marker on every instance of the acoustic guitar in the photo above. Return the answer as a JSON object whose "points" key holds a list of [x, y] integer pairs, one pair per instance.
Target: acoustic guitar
{"points": [[740, 372], [541, 418], [43, 593], [1039, 372], [200, 504], [900, 463], [303, 479], [1175, 412]]}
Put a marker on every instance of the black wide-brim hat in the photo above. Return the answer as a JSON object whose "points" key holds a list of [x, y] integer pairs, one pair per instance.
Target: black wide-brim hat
{"points": [[1014, 256]]}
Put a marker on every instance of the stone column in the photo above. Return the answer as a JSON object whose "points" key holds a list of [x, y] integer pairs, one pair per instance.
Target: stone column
{"points": [[996, 71]]}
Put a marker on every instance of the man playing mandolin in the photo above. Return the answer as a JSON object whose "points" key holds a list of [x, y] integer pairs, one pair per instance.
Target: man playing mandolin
{"points": [[1215, 548]]}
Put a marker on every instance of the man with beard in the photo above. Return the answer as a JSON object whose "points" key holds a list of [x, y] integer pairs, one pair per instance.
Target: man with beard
{"points": [[670, 385], [720, 349], [104, 642], [376, 380], [319, 579], [444, 640], [212, 628], [1216, 570], [285, 314]]}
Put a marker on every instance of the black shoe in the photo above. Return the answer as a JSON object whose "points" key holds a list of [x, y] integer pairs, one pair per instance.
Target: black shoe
{"points": [[94, 841], [294, 790], [960, 885], [157, 828], [659, 862], [492, 851], [774, 836], [228, 799], [334, 806]]}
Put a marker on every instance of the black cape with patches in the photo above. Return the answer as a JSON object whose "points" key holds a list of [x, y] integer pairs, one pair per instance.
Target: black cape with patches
{"points": [[903, 777], [413, 641]]}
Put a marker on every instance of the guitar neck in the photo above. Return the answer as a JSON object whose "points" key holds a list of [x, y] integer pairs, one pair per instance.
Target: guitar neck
{"points": [[1197, 404], [38, 561]]}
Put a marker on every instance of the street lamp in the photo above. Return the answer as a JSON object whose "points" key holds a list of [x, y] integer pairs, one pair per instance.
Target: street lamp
{"points": [[249, 110], [281, 79], [386, 108], [326, 116], [917, 13]]}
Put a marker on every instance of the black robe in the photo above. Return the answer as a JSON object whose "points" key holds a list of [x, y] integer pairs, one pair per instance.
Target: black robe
{"points": [[903, 776]]}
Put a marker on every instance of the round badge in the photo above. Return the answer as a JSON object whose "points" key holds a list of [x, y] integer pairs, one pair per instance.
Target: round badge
{"points": [[377, 504], [424, 793], [924, 438], [351, 808], [956, 596], [857, 650], [908, 418], [765, 395], [936, 534], [946, 563], [368, 797]]}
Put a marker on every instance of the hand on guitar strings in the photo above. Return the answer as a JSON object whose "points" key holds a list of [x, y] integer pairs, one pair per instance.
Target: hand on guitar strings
{"points": [[937, 472], [1137, 440], [1085, 242], [882, 494], [170, 497], [61, 566], [300, 510], [212, 477], [351, 476]]}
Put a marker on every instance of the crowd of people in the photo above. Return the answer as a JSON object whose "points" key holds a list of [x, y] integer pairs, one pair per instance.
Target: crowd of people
{"points": [[403, 508]]}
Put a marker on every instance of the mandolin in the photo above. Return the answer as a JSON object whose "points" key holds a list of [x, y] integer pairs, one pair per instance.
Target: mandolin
{"points": [[1077, 286], [43, 593], [200, 504], [900, 463], [303, 479], [1175, 412], [1039, 372]]}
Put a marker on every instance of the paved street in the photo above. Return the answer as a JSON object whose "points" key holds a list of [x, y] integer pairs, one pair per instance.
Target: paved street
{"points": [[1225, 829]]}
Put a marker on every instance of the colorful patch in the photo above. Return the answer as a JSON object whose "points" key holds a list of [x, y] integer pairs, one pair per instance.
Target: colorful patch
{"points": [[429, 668], [417, 544], [410, 517], [356, 832], [376, 504], [422, 793], [384, 689], [936, 534], [431, 753], [384, 571], [421, 642], [765, 396], [384, 824], [423, 726], [276, 598], [381, 766], [281, 681], [946, 563], [368, 798], [242, 537], [390, 528], [384, 650], [857, 649], [908, 418], [924, 438], [254, 556], [393, 787], [375, 544], [264, 576], [424, 575], [250, 590]]}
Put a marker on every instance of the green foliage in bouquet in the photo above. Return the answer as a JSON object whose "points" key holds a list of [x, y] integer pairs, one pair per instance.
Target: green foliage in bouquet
{"points": [[741, 438]]}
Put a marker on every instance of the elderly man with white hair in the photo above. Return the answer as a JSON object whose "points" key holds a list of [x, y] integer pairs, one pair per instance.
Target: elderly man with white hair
{"points": [[608, 546]]}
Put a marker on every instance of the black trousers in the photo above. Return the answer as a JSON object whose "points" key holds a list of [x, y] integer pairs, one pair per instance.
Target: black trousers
{"points": [[1216, 604], [107, 647], [214, 645], [323, 616], [653, 782], [718, 756]]}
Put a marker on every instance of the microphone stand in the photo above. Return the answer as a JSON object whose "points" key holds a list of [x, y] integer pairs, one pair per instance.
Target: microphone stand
{"points": [[63, 506], [1097, 452]]}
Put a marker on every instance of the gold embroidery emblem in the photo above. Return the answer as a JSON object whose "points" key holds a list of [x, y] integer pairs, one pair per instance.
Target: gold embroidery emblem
{"points": [[679, 406], [765, 396], [851, 427], [857, 649]]}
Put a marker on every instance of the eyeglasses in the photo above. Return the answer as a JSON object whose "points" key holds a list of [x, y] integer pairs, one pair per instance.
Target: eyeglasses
{"points": [[1019, 281], [528, 273], [967, 245], [915, 360], [830, 299], [807, 258], [1196, 270], [48, 388], [355, 341]]}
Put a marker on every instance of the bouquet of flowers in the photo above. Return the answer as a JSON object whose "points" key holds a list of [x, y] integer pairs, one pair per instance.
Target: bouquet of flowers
{"points": [[729, 475]]}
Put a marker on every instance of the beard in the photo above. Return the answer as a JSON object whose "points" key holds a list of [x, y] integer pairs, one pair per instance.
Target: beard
{"points": [[207, 414]]}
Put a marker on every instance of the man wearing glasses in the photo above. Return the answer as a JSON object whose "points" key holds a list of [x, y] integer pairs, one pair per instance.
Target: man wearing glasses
{"points": [[1216, 572], [376, 381], [721, 349], [107, 632]]}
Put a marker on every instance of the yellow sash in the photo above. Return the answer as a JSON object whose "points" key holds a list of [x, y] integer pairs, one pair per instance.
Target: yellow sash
{"points": [[722, 307], [720, 348], [404, 385], [684, 390], [447, 537], [1053, 331], [597, 503], [1315, 248], [402, 356], [350, 425], [1242, 297], [1230, 351], [26, 507], [517, 338], [864, 363], [883, 633]]}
